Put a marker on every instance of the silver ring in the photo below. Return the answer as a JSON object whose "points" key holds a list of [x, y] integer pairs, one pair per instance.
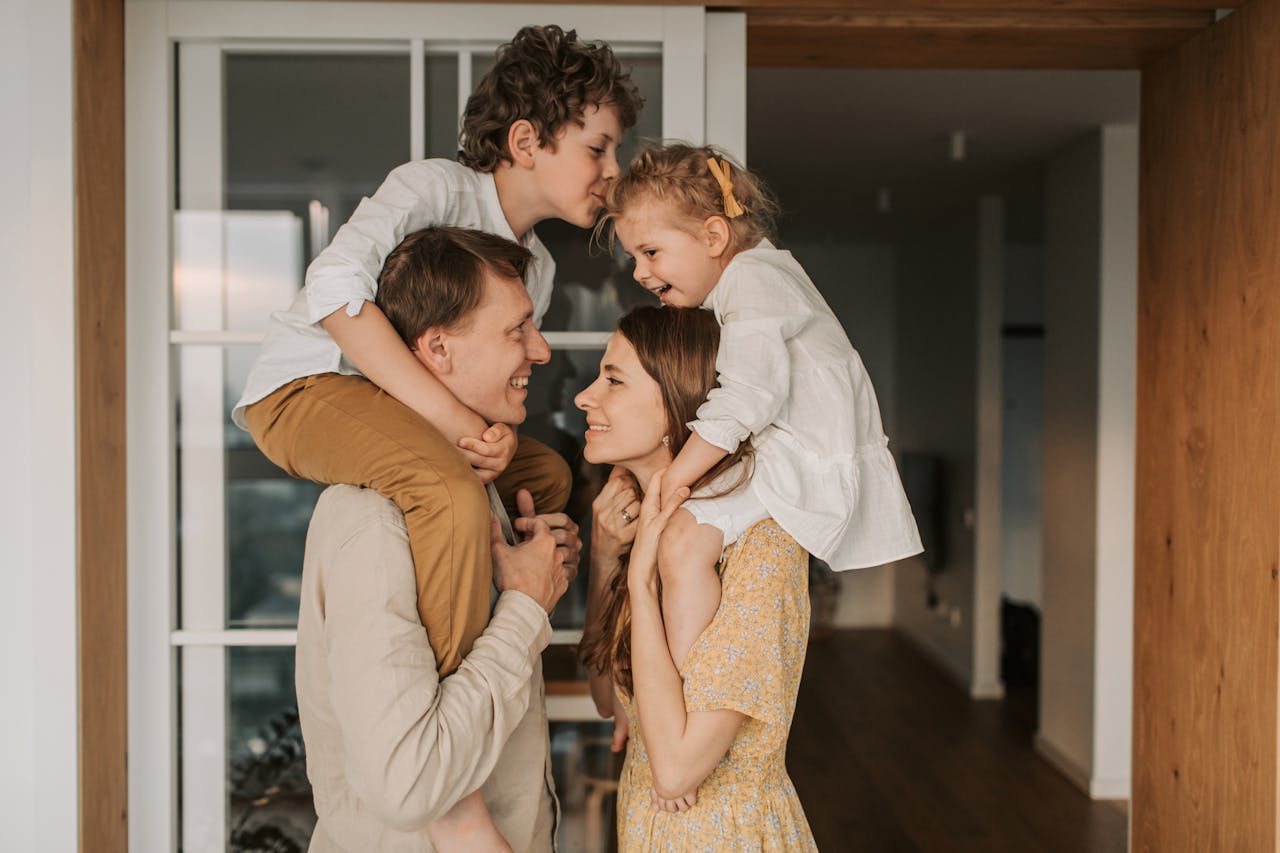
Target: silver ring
{"points": [[626, 516]]}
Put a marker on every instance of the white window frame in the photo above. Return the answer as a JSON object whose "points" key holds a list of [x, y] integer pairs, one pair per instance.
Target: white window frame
{"points": [[687, 36]]}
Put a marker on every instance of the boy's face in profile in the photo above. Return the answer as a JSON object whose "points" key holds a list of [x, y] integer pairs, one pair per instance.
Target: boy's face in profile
{"points": [[571, 177]]}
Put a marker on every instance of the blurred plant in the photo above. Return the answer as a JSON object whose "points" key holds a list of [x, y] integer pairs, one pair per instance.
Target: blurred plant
{"points": [[273, 770]]}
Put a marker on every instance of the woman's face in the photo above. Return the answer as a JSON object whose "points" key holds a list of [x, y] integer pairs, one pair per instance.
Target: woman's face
{"points": [[626, 418]]}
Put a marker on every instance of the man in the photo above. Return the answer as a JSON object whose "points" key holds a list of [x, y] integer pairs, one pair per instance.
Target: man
{"points": [[391, 746]]}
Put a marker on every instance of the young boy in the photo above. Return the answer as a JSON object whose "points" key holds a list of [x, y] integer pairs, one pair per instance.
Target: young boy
{"points": [[539, 140]]}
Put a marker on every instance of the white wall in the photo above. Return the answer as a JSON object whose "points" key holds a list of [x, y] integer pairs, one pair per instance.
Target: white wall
{"points": [[1090, 345], [38, 776], [1023, 420], [935, 401], [857, 280], [1072, 197], [1117, 390]]}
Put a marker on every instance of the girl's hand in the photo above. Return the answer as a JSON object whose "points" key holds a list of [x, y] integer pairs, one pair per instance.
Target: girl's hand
{"points": [[614, 514], [491, 453], [643, 568], [679, 804]]}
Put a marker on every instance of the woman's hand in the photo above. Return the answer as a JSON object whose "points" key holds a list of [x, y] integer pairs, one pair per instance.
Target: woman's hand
{"points": [[643, 568], [614, 514]]}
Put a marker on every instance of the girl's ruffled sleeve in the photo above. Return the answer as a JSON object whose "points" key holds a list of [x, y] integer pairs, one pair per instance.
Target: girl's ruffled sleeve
{"points": [[758, 315]]}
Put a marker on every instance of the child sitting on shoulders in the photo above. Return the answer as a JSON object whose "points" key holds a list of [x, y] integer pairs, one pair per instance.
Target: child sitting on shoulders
{"points": [[699, 228]]}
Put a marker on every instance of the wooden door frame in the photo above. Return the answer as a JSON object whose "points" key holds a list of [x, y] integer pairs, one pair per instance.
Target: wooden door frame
{"points": [[808, 33]]}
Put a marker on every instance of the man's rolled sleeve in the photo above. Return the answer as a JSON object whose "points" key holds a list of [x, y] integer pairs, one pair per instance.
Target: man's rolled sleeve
{"points": [[415, 745]]}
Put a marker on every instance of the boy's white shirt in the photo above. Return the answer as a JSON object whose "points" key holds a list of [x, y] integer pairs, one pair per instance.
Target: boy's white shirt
{"points": [[345, 275], [790, 379]]}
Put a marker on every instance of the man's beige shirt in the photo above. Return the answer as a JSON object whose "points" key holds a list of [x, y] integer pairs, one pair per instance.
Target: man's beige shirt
{"points": [[390, 746]]}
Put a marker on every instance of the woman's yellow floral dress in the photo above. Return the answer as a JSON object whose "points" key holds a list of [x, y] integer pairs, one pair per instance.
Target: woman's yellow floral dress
{"points": [[749, 660]]}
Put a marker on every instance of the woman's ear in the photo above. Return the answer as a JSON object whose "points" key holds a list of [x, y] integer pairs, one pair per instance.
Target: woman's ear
{"points": [[716, 234], [522, 142], [433, 350]]}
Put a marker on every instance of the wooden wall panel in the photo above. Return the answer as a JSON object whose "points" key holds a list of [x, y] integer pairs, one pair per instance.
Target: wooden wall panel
{"points": [[1207, 593], [100, 416]]}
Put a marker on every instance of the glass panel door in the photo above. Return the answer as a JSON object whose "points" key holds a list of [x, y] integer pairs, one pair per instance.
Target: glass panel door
{"points": [[278, 125]]}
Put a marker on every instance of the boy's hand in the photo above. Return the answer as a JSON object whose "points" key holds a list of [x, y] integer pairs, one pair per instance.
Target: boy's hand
{"points": [[491, 453], [563, 530]]}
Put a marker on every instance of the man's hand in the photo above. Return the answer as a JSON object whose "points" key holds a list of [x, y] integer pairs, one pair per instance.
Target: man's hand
{"points": [[534, 567], [491, 453], [563, 530]]}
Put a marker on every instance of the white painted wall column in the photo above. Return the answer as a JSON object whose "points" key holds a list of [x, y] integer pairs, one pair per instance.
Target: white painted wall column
{"points": [[39, 779], [727, 82], [984, 681], [1090, 367], [1117, 389]]}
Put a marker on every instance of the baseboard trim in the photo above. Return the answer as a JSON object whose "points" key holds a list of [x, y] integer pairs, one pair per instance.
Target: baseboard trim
{"points": [[1059, 760], [957, 674], [1110, 787], [987, 690]]}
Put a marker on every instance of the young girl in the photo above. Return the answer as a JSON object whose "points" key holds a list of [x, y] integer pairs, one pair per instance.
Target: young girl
{"points": [[698, 227]]}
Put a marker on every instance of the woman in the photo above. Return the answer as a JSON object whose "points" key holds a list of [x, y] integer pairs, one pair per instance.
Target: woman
{"points": [[705, 764]]}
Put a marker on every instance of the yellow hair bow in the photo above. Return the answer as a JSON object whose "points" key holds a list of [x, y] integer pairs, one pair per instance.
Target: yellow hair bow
{"points": [[721, 172]]}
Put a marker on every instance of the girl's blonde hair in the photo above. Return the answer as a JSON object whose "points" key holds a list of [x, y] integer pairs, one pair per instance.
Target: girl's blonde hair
{"points": [[680, 175]]}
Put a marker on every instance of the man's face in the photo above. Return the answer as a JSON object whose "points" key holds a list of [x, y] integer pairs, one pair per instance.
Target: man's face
{"points": [[492, 350]]}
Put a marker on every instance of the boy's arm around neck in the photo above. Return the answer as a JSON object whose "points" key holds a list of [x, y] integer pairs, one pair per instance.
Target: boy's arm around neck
{"points": [[369, 341]]}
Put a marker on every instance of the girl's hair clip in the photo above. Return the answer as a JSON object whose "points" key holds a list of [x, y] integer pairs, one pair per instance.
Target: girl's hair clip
{"points": [[721, 172]]}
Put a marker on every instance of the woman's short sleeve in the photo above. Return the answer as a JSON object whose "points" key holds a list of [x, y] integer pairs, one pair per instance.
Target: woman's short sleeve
{"points": [[750, 657]]}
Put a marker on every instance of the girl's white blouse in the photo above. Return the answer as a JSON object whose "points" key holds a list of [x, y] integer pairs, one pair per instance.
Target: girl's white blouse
{"points": [[790, 379]]}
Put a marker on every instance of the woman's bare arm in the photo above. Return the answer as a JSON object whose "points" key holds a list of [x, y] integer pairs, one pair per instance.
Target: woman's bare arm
{"points": [[683, 747]]}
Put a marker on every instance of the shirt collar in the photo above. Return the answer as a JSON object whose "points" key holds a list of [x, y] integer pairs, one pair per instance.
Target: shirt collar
{"points": [[498, 223]]}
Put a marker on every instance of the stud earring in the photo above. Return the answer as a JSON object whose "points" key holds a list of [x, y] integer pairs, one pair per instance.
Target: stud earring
{"points": [[666, 441]]}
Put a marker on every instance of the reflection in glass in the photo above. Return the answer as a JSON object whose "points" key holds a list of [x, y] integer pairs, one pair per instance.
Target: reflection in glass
{"points": [[586, 775], [233, 268], [441, 95], [269, 797], [306, 127]]}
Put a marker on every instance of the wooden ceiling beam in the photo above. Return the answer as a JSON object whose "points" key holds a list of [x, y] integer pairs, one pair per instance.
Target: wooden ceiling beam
{"points": [[961, 6], [987, 19], [974, 38]]}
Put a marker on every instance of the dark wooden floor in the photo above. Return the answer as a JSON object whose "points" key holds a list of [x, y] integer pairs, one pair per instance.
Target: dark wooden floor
{"points": [[890, 756]]}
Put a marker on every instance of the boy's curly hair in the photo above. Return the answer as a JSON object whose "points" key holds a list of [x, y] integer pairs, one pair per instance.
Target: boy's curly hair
{"points": [[548, 77]]}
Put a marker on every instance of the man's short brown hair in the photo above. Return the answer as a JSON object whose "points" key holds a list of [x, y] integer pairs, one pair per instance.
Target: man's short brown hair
{"points": [[548, 77], [435, 277]]}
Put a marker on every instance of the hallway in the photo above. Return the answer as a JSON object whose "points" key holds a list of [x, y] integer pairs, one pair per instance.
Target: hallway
{"points": [[889, 755]]}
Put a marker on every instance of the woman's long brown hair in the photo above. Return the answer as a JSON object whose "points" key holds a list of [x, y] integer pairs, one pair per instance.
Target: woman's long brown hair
{"points": [[677, 348]]}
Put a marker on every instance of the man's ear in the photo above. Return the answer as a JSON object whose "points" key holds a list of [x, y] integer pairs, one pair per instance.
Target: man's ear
{"points": [[433, 349], [716, 234], [522, 143]]}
